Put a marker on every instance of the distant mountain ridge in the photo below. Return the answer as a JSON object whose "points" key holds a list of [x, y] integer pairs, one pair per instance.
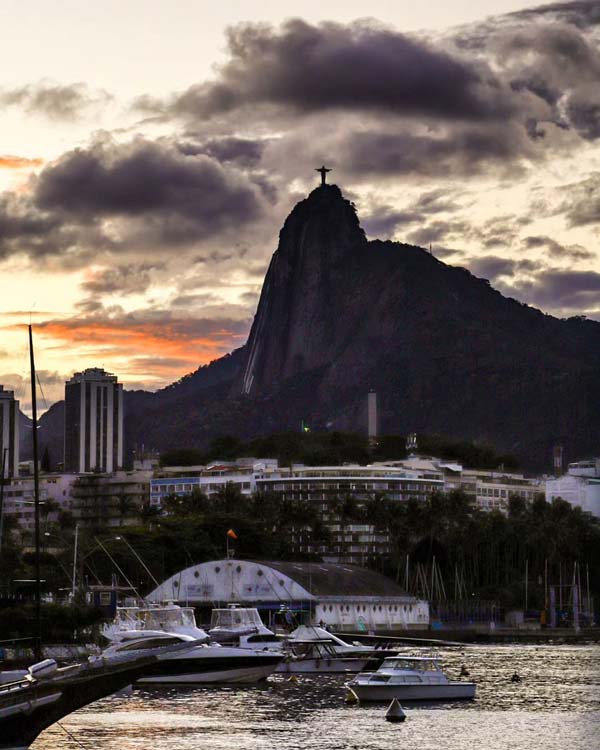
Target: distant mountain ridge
{"points": [[340, 315]]}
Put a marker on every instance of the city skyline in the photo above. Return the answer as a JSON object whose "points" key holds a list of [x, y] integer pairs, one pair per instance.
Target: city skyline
{"points": [[139, 212]]}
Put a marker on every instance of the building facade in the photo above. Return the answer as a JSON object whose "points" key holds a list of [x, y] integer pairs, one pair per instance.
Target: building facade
{"points": [[19, 503], [342, 597], [580, 486], [9, 434], [103, 500], [93, 422]]}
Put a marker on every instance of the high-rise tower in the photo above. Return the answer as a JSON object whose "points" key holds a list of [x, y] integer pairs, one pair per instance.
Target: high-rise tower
{"points": [[9, 433], [93, 422]]}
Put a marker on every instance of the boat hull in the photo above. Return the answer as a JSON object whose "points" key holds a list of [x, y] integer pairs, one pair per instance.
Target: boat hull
{"points": [[443, 692], [242, 670], [45, 702], [247, 676], [331, 665]]}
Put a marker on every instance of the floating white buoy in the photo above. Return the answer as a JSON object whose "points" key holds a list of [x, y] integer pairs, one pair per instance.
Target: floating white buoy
{"points": [[395, 712]]}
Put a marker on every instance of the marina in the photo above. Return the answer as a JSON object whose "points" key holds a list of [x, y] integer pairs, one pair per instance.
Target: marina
{"points": [[556, 705]]}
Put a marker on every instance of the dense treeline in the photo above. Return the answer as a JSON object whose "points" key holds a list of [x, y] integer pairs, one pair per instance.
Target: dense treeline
{"points": [[484, 554], [330, 448]]}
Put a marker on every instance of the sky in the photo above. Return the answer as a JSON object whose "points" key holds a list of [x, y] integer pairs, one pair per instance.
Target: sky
{"points": [[150, 152]]}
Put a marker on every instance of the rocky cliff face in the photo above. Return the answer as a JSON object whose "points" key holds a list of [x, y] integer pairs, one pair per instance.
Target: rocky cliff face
{"points": [[445, 352], [306, 307], [339, 315]]}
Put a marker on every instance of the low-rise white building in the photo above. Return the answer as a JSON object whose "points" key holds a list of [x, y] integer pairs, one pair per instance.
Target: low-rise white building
{"points": [[342, 597], [580, 486]]}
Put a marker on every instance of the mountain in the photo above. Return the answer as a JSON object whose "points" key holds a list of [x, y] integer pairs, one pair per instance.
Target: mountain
{"points": [[340, 315]]}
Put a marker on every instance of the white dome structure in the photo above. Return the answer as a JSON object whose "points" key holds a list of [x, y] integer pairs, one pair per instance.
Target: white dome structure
{"points": [[344, 597]]}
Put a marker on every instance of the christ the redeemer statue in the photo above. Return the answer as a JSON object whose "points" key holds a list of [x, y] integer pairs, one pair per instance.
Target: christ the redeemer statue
{"points": [[323, 171]]}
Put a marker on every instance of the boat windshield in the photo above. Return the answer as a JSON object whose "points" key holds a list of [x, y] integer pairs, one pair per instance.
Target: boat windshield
{"points": [[235, 618], [161, 619], [411, 665]]}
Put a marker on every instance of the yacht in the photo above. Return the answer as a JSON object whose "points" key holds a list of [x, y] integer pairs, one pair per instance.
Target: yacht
{"points": [[199, 663], [409, 678], [307, 649], [168, 617]]}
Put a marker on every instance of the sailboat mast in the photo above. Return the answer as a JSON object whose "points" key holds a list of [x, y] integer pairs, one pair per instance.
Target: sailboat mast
{"points": [[36, 497]]}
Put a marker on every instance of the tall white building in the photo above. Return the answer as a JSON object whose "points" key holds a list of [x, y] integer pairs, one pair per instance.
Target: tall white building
{"points": [[93, 422], [9, 433]]}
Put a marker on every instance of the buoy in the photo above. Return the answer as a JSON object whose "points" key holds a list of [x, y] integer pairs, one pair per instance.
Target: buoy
{"points": [[351, 697], [293, 679], [516, 677], [395, 712]]}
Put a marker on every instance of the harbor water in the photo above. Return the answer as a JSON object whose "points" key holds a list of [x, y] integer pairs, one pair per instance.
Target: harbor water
{"points": [[555, 706]]}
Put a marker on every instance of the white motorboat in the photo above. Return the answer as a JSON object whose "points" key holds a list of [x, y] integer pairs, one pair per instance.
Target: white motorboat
{"points": [[201, 663], [409, 678], [307, 649], [169, 618]]}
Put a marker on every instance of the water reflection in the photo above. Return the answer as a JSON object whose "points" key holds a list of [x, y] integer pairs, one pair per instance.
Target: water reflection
{"points": [[555, 706]]}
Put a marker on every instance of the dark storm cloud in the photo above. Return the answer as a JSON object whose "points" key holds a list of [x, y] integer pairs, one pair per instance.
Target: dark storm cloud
{"points": [[549, 57], [464, 151], [491, 267], [356, 66], [56, 101], [383, 221], [437, 231], [582, 14], [142, 196], [556, 250], [583, 110], [24, 229], [582, 202], [567, 290], [130, 278], [246, 152], [146, 178]]}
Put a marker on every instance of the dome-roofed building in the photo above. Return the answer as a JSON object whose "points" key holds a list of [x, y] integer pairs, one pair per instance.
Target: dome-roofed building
{"points": [[343, 597]]}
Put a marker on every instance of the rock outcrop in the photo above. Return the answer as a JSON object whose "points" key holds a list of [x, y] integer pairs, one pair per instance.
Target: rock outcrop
{"points": [[340, 315]]}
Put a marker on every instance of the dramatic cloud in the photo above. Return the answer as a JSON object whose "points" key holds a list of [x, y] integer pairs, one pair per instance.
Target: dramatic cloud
{"points": [[246, 152], [178, 343], [556, 250], [124, 279], [55, 101], [140, 196], [383, 221], [568, 291], [360, 65], [582, 203], [146, 178]]}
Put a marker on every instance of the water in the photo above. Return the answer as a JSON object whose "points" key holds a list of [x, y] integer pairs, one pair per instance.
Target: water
{"points": [[555, 707]]}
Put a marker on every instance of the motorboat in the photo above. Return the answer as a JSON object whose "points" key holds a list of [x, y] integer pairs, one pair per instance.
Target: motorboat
{"points": [[167, 617], [240, 625], [307, 649], [409, 678], [199, 663]]}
